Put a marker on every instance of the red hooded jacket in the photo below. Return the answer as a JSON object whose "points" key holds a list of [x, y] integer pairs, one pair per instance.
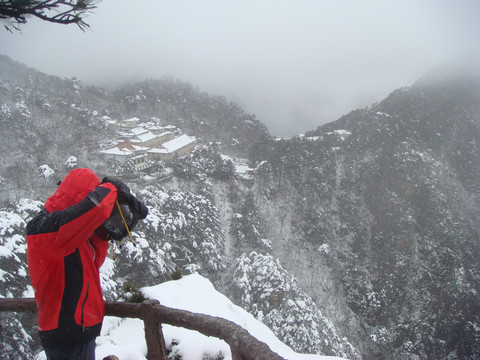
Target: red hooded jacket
{"points": [[65, 249]]}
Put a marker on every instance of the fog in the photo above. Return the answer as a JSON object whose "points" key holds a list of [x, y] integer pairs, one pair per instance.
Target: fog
{"points": [[295, 64]]}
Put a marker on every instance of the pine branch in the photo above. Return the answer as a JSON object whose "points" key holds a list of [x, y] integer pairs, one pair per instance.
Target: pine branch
{"points": [[67, 12]]}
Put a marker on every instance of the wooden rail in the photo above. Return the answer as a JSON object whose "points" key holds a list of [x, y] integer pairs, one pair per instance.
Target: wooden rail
{"points": [[242, 345]]}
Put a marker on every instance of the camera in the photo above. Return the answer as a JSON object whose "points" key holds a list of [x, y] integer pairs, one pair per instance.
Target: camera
{"points": [[121, 217]]}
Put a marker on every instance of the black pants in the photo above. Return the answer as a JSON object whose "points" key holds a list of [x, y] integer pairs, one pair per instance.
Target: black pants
{"points": [[74, 352]]}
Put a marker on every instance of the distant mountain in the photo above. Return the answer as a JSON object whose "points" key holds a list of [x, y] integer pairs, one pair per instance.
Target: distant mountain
{"points": [[383, 209], [50, 115], [211, 118], [359, 239]]}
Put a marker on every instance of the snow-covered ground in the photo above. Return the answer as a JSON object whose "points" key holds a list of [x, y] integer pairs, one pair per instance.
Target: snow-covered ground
{"points": [[125, 337], [197, 294]]}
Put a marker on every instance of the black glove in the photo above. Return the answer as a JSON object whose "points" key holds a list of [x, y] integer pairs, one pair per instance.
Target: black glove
{"points": [[123, 191], [139, 208], [125, 197], [139, 212], [136, 210]]}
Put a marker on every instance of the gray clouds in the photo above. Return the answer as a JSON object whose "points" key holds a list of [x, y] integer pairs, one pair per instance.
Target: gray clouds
{"points": [[296, 64]]}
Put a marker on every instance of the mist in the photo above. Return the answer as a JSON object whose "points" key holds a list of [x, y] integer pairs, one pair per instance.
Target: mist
{"points": [[295, 64]]}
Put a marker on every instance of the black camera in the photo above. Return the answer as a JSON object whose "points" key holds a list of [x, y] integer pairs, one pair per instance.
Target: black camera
{"points": [[121, 217], [126, 212]]}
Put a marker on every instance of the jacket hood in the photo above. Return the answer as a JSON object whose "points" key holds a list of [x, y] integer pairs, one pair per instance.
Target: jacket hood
{"points": [[74, 188]]}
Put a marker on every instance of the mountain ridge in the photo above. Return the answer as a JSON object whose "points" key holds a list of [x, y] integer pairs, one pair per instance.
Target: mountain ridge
{"points": [[368, 223]]}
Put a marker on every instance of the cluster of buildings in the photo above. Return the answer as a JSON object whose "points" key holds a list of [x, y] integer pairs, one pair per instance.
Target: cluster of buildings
{"points": [[143, 144]]}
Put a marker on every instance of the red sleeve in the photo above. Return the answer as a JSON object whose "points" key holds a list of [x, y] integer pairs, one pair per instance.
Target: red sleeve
{"points": [[77, 223]]}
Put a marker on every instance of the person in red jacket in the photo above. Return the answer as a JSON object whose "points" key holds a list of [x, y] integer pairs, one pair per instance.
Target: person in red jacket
{"points": [[67, 242]]}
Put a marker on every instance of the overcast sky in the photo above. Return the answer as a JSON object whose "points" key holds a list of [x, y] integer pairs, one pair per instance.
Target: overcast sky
{"points": [[294, 63]]}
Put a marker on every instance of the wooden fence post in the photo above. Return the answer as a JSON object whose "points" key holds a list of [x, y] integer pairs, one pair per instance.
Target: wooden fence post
{"points": [[153, 331]]}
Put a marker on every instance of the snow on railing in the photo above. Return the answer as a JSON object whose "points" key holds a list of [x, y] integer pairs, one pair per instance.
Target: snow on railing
{"points": [[243, 346]]}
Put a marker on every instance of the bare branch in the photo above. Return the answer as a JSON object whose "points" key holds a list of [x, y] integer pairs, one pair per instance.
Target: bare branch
{"points": [[55, 11]]}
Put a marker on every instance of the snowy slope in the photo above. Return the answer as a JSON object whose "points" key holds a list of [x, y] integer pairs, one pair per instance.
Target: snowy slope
{"points": [[125, 337]]}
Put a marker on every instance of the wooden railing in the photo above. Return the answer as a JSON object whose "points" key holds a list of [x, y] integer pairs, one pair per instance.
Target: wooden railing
{"points": [[242, 345]]}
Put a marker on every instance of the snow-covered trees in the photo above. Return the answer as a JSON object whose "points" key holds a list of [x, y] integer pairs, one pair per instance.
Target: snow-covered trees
{"points": [[266, 290], [246, 228], [182, 231], [14, 281], [203, 163], [369, 224]]}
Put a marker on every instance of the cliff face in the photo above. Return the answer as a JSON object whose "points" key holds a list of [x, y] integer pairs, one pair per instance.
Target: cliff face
{"points": [[376, 215]]}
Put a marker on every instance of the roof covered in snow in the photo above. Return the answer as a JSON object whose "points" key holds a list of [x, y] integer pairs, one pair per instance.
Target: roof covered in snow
{"points": [[138, 130], [143, 137], [134, 119], [124, 148], [174, 144]]}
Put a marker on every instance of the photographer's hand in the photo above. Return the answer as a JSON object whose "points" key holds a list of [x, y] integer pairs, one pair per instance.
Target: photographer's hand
{"points": [[124, 195]]}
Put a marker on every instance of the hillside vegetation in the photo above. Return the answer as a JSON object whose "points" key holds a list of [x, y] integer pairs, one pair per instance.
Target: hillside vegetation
{"points": [[358, 239]]}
